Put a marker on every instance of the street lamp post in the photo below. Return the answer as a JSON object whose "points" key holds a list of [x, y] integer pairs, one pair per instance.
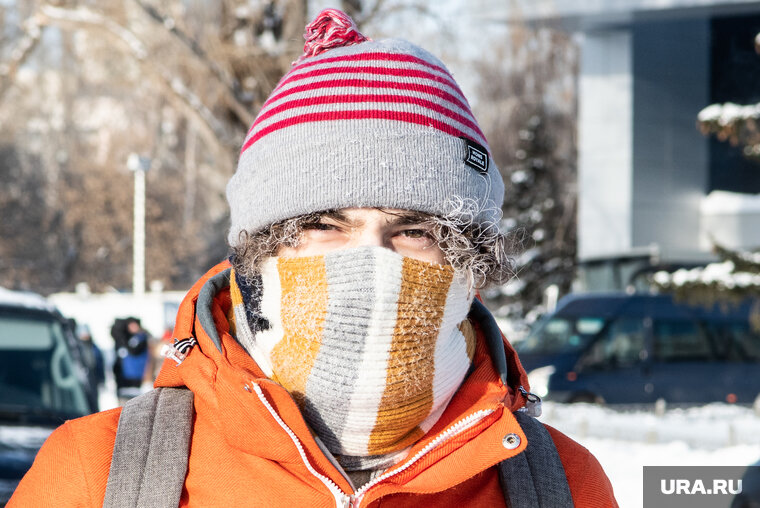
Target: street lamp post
{"points": [[138, 165]]}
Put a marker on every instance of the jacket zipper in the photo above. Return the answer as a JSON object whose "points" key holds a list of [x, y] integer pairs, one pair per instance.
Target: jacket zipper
{"points": [[459, 427], [343, 500]]}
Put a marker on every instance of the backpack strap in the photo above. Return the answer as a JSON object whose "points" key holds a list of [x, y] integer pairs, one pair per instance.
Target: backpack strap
{"points": [[536, 477], [150, 453]]}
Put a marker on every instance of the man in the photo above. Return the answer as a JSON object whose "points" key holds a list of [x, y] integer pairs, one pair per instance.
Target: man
{"points": [[133, 366], [341, 358], [92, 357]]}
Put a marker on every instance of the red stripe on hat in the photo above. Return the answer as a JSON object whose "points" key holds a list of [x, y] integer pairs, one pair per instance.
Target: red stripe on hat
{"points": [[375, 56], [366, 83], [379, 71], [355, 115], [364, 98], [371, 56]]}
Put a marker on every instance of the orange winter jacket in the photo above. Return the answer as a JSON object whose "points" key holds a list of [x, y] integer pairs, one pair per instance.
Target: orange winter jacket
{"points": [[250, 446]]}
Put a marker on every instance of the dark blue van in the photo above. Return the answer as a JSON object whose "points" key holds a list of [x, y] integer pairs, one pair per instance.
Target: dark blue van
{"points": [[43, 381], [637, 348]]}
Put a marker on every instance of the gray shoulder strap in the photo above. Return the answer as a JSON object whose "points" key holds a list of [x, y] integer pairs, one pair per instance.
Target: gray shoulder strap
{"points": [[536, 477], [150, 454]]}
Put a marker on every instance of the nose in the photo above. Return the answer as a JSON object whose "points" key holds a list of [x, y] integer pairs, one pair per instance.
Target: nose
{"points": [[369, 236]]}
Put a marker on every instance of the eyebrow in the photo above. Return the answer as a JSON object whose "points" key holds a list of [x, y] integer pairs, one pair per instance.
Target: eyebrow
{"points": [[407, 218], [402, 218], [335, 215]]}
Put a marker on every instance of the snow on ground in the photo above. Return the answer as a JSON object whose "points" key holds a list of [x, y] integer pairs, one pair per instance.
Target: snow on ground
{"points": [[712, 426], [624, 462], [107, 398], [626, 441]]}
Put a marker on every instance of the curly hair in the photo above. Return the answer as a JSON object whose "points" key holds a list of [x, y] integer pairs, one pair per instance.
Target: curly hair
{"points": [[482, 252]]}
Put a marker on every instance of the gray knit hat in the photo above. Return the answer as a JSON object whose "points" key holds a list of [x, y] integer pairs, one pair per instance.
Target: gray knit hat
{"points": [[361, 123]]}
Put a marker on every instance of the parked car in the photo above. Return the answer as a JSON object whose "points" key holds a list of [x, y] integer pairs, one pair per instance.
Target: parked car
{"points": [[638, 348], [43, 381]]}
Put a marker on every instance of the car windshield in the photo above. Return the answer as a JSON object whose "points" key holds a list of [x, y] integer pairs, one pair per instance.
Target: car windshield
{"points": [[38, 379], [558, 335]]}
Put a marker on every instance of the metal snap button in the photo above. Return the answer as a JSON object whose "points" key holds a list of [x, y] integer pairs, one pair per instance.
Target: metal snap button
{"points": [[511, 441]]}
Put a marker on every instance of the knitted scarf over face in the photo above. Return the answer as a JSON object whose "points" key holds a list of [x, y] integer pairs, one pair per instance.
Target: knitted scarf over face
{"points": [[369, 343]]}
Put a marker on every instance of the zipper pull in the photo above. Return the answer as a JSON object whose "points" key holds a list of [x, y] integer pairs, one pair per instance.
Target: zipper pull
{"points": [[532, 403]]}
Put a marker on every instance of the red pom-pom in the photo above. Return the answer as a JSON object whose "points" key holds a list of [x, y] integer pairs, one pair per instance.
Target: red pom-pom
{"points": [[330, 29]]}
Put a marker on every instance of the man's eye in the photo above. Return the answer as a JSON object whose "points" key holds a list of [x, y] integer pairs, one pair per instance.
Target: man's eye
{"points": [[415, 233]]}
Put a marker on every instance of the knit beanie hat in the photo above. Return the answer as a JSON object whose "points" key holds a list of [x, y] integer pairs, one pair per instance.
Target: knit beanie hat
{"points": [[362, 123]]}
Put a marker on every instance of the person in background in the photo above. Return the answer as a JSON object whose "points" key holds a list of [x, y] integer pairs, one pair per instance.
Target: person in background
{"points": [[133, 363], [92, 359], [340, 357], [93, 356]]}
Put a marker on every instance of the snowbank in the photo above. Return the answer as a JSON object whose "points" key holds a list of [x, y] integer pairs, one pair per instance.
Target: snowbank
{"points": [[626, 441], [709, 427]]}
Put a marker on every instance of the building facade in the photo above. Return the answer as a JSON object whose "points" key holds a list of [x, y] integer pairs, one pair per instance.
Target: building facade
{"points": [[653, 191]]}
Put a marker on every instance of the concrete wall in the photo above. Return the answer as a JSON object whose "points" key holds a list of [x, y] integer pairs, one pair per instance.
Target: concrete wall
{"points": [[643, 166], [605, 144]]}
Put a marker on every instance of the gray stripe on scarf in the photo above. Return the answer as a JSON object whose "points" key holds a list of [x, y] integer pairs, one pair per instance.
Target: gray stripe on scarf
{"points": [[350, 301]]}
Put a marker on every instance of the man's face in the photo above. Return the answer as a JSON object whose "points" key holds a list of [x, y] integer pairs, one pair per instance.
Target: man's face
{"points": [[398, 230]]}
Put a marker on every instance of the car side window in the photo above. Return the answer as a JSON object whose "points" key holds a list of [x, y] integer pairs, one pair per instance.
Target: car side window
{"points": [[747, 342], [680, 340], [37, 372], [620, 345], [735, 341], [560, 335]]}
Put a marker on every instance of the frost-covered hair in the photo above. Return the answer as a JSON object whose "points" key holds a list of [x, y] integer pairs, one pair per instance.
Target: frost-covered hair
{"points": [[480, 251]]}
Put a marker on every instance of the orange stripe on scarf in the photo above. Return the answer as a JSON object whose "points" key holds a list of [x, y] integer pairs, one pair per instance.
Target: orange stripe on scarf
{"points": [[395, 414], [304, 286], [470, 337]]}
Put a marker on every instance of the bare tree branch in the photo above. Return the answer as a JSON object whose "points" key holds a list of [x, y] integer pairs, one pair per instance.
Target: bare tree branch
{"points": [[356, 8], [230, 85], [214, 132], [31, 38]]}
